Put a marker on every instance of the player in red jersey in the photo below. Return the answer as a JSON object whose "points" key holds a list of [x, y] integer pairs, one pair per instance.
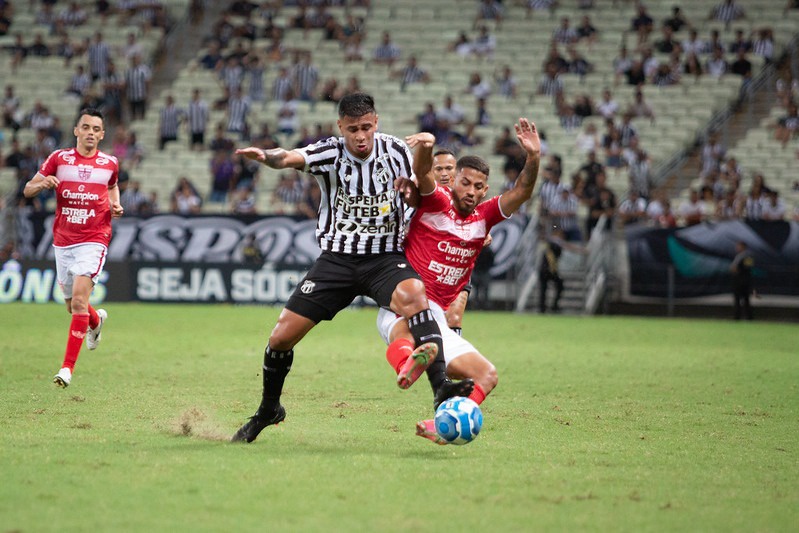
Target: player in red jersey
{"points": [[444, 238], [87, 197]]}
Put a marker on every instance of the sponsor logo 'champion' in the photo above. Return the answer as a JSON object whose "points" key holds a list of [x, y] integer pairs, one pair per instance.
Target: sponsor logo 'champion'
{"points": [[82, 196], [447, 248]]}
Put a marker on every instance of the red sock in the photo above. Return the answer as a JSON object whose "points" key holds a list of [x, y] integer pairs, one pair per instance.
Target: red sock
{"points": [[478, 394], [77, 331], [94, 319], [397, 352]]}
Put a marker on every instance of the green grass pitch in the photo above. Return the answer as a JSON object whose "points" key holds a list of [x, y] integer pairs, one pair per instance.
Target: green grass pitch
{"points": [[598, 424]]}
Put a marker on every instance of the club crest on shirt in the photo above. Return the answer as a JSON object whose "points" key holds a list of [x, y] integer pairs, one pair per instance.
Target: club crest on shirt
{"points": [[382, 170], [85, 172]]}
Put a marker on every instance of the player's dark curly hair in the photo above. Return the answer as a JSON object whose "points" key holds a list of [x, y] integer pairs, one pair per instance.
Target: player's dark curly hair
{"points": [[356, 105], [472, 161]]}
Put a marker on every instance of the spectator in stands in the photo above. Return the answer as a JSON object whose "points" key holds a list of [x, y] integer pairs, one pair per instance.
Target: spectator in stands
{"points": [[462, 45], [740, 43], [353, 48], [426, 120], [550, 85], [642, 23], [640, 172], [73, 15], [741, 66], [11, 110], [693, 210], [563, 213], [450, 112], [640, 108], [583, 106], [308, 206], [132, 198], [577, 64], [665, 76], [763, 44], [237, 114], [554, 59], [716, 65], [622, 63], [170, 118], [726, 12], [306, 78], [485, 44], [587, 141], [549, 191], [243, 202], [288, 193], [410, 74], [608, 107], [565, 34], [569, 120], [693, 44], [489, 10], [714, 42], [586, 31], [601, 202], [98, 55], [288, 120], [712, 154], [387, 53], [632, 209], [223, 176], [538, 6], [221, 142], [692, 66], [666, 44], [79, 83], [212, 57], [635, 74], [611, 143], [506, 84], [677, 20], [787, 127], [773, 206], [478, 87], [185, 200], [137, 87], [197, 115]]}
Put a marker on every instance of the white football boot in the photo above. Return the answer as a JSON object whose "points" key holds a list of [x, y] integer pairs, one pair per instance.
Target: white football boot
{"points": [[63, 378], [93, 335]]}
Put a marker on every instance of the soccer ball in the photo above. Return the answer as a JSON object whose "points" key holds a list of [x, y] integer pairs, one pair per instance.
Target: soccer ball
{"points": [[458, 420]]}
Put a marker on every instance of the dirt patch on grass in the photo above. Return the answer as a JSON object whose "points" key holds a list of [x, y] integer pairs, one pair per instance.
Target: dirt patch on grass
{"points": [[195, 423]]}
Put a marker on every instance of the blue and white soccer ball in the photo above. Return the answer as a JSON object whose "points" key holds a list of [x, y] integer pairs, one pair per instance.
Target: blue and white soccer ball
{"points": [[458, 420]]}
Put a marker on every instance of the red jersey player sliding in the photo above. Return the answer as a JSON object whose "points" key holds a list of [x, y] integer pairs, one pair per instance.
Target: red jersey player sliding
{"points": [[444, 238], [87, 197]]}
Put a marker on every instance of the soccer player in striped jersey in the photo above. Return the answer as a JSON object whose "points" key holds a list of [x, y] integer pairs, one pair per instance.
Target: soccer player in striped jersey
{"points": [[87, 197], [360, 232], [445, 236]]}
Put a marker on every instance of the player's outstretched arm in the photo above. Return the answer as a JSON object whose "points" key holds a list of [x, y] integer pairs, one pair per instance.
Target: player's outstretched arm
{"points": [[527, 135], [38, 183], [423, 160], [277, 158]]}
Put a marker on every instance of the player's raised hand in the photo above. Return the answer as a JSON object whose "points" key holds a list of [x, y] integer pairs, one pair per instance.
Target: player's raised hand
{"points": [[527, 135], [252, 153], [423, 139], [408, 189]]}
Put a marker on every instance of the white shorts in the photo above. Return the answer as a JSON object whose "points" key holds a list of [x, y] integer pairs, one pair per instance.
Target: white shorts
{"points": [[81, 260], [454, 344]]}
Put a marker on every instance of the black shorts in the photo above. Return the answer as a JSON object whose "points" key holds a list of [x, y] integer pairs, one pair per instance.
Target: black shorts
{"points": [[335, 280]]}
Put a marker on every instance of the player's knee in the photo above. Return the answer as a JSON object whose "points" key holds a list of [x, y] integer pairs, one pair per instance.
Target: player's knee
{"points": [[489, 379], [409, 297]]}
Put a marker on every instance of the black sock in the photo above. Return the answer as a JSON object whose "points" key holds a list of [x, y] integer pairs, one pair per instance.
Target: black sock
{"points": [[276, 368], [424, 329], [457, 330]]}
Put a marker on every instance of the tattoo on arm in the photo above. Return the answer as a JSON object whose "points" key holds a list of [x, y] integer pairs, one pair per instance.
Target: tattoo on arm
{"points": [[274, 157]]}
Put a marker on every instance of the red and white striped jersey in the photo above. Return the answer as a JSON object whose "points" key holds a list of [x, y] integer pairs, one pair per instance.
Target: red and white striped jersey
{"points": [[83, 212], [442, 245]]}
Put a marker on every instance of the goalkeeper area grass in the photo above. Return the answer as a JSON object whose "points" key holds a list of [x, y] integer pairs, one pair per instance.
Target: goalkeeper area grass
{"points": [[597, 424]]}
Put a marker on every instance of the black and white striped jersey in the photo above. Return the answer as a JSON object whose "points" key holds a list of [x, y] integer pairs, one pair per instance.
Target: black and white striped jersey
{"points": [[360, 212]]}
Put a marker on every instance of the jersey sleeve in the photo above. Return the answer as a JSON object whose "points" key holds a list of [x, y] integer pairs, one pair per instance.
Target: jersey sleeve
{"points": [[439, 200], [492, 212], [50, 165], [319, 156], [114, 174]]}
